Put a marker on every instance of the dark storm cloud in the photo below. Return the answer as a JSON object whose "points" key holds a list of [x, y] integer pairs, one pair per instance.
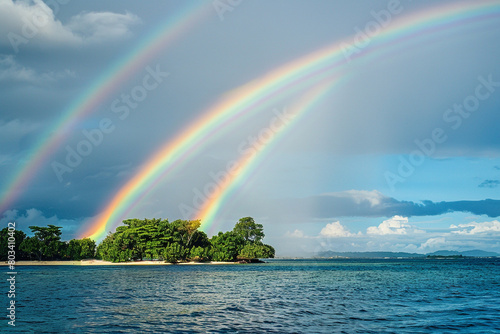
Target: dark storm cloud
{"points": [[374, 204]]}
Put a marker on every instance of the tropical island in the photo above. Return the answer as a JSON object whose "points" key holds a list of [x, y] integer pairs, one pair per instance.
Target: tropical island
{"points": [[158, 240]]}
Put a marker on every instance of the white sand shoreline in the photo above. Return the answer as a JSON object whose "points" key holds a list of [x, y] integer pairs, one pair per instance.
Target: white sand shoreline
{"points": [[105, 263]]}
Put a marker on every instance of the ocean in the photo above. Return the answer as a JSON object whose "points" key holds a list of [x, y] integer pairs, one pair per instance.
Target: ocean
{"points": [[280, 296]]}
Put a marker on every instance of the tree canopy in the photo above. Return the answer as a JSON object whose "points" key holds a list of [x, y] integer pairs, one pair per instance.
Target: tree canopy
{"points": [[45, 244], [146, 239], [181, 240], [249, 230], [19, 237]]}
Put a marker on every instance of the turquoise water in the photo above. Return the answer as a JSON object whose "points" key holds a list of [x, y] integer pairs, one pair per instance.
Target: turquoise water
{"points": [[282, 296]]}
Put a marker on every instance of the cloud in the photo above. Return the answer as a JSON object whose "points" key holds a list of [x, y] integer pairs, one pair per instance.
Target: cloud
{"points": [[373, 198], [99, 27], [31, 20], [434, 243], [12, 134], [34, 21], [36, 217], [335, 230], [361, 203], [395, 225], [11, 71], [489, 184], [398, 235], [492, 227], [295, 234]]}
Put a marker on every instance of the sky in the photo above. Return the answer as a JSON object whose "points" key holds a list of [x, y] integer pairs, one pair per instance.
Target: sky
{"points": [[367, 126]]}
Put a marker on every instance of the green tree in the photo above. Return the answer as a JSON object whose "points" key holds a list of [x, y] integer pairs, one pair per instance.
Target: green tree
{"points": [[31, 246], [181, 240], [79, 249], [88, 248], [19, 237], [190, 228], [115, 248], [184, 231], [136, 240], [199, 254], [249, 230], [226, 246], [200, 239], [174, 252], [126, 240], [45, 244], [256, 251], [152, 239], [132, 239], [107, 250]]}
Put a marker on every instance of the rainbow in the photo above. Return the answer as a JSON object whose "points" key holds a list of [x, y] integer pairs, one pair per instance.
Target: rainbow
{"points": [[99, 91], [248, 162], [246, 98]]}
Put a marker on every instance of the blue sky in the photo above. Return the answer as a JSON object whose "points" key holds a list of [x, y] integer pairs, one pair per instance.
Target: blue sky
{"points": [[386, 161]]}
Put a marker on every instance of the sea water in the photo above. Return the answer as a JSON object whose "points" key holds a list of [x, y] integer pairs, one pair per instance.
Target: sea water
{"points": [[281, 296]]}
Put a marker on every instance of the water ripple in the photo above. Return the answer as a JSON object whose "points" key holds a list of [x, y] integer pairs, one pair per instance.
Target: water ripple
{"points": [[341, 296]]}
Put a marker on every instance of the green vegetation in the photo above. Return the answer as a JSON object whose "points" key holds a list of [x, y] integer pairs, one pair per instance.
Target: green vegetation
{"points": [[147, 239], [80, 249], [180, 240], [156, 239], [4, 243], [45, 245]]}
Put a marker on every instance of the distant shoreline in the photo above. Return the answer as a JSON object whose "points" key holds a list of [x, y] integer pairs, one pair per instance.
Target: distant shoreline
{"points": [[107, 263]]}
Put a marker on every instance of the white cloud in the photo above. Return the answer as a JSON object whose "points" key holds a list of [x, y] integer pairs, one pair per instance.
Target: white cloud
{"points": [[335, 230], [478, 228], [434, 244], [373, 197], [100, 27], [25, 22], [37, 218], [295, 234], [397, 234], [394, 225]]}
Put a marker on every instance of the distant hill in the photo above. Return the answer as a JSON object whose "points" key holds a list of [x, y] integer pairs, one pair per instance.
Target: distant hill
{"points": [[444, 253], [364, 255], [472, 253], [381, 255]]}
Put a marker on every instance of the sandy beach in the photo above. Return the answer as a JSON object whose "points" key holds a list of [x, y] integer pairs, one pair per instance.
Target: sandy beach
{"points": [[105, 263]]}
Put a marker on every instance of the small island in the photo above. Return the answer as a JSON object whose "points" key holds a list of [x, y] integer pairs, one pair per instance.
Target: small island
{"points": [[445, 257], [147, 241]]}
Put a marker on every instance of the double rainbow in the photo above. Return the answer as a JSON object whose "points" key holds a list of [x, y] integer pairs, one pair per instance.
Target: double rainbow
{"points": [[246, 98], [248, 162]]}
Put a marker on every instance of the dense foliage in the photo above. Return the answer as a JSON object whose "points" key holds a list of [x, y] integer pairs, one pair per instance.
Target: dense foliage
{"points": [[180, 240], [19, 236], [45, 244], [147, 239], [153, 239]]}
